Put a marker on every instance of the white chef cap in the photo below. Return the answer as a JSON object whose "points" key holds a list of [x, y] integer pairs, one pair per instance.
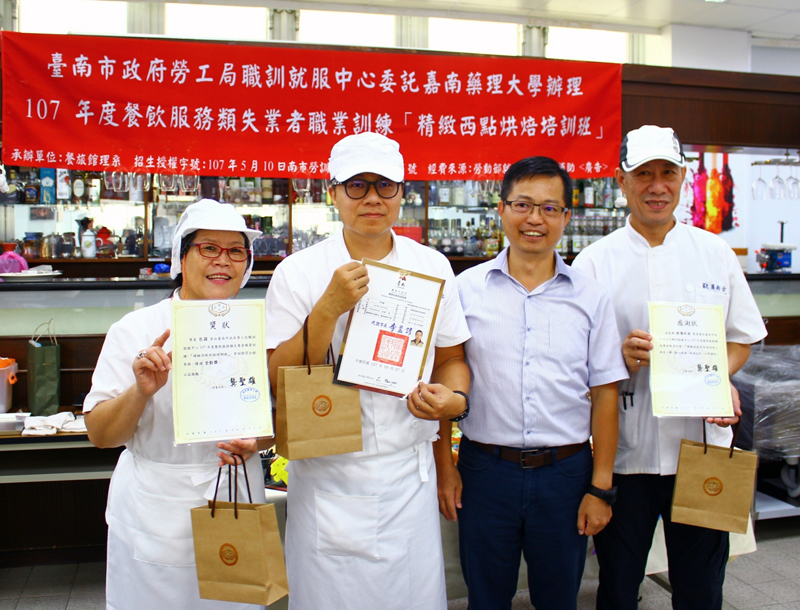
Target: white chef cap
{"points": [[212, 216], [366, 152]]}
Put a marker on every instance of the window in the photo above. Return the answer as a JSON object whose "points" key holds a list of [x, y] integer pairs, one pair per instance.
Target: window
{"points": [[464, 36], [73, 16], [216, 22], [587, 45], [353, 29]]}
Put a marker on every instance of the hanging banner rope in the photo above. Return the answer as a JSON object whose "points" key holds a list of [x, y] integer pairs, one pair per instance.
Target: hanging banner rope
{"points": [[152, 105]]}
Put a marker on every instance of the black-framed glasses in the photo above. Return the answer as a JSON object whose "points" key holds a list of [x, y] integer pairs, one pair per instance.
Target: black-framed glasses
{"points": [[237, 254], [547, 210], [357, 188]]}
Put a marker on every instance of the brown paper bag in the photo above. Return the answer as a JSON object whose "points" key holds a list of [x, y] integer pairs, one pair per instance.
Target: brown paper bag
{"points": [[238, 552], [714, 486], [315, 417]]}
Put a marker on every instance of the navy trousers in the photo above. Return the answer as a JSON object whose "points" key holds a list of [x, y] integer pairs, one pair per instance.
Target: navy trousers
{"points": [[697, 556], [508, 511]]}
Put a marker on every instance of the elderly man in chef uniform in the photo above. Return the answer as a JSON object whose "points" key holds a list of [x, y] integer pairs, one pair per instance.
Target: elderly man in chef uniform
{"points": [[362, 529]]}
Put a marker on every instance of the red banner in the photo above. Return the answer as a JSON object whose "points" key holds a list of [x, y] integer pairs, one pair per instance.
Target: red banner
{"points": [[133, 104]]}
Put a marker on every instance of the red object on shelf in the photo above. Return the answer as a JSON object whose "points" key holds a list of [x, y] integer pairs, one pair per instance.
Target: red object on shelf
{"points": [[414, 233]]}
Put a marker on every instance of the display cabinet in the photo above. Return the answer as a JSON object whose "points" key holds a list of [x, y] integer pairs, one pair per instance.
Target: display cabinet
{"points": [[122, 223]]}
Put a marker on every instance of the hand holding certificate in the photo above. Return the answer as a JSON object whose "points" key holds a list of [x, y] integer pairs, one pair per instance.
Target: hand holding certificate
{"points": [[689, 361], [220, 384], [388, 333]]}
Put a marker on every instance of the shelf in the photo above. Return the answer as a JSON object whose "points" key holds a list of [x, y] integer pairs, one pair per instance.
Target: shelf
{"points": [[47, 462], [50, 261], [768, 507]]}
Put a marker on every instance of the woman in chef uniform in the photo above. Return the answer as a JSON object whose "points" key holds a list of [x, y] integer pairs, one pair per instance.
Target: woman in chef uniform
{"points": [[362, 529], [156, 483]]}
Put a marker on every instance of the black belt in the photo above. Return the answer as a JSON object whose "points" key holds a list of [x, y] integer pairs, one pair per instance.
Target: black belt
{"points": [[531, 458]]}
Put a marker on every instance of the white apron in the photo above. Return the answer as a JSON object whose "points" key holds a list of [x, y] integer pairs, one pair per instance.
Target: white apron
{"points": [[150, 548], [362, 533]]}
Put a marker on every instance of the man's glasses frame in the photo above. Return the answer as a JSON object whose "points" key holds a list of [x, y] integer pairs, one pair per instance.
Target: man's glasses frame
{"points": [[547, 210], [357, 188]]}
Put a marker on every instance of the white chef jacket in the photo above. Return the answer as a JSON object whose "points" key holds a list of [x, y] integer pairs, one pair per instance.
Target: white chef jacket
{"points": [[299, 282], [155, 483], [362, 530], [691, 266]]}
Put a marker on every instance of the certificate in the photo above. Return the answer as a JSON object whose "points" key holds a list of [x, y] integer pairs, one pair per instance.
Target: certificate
{"points": [[220, 385], [388, 334], [689, 361]]}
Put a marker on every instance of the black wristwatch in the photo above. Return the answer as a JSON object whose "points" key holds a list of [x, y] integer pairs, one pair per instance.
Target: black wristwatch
{"points": [[466, 411], [609, 496]]}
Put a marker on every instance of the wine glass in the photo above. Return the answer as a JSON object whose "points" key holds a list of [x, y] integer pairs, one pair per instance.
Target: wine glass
{"points": [[108, 180], [167, 182], [792, 185], [189, 182], [759, 187], [302, 187], [777, 189]]}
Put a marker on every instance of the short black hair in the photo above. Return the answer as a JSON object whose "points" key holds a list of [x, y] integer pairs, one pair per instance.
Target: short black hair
{"points": [[186, 243], [530, 167]]}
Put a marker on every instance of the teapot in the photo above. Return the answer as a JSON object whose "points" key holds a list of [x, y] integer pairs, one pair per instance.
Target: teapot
{"points": [[68, 245], [107, 243], [51, 246], [89, 243], [32, 248]]}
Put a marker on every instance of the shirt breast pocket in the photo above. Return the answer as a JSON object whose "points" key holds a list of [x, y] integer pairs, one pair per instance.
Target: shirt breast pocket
{"points": [[569, 338], [711, 297]]}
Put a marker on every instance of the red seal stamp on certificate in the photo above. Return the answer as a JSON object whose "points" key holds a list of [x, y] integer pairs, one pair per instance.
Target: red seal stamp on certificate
{"points": [[228, 554], [712, 486], [390, 348]]}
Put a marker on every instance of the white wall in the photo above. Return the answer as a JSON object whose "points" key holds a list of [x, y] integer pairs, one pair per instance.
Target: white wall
{"points": [[709, 48], [775, 60]]}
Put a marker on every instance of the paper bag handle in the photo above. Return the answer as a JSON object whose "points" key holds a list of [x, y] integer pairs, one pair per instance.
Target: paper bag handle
{"points": [[733, 440], [235, 486], [50, 331], [306, 359]]}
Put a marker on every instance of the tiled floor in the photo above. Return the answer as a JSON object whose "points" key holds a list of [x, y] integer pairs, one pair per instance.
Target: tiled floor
{"points": [[766, 579], [62, 587]]}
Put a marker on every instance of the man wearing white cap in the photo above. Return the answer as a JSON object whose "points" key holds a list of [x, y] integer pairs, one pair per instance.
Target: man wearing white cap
{"points": [[362, 529], [655, 258], [156, 483]]}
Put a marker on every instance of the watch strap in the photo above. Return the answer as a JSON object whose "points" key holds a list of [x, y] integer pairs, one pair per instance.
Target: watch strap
{"points": [[608, 496], [466, 411]]}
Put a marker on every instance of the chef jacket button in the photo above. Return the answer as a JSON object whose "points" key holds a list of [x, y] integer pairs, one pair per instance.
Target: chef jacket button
{"points": [[415, 423], [381, 430], [689, 288]]}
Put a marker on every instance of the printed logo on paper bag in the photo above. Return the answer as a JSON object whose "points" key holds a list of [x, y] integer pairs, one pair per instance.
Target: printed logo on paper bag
{"points": [[712, 486], [321, 405], [228, 554], [219, 309], [686, 310]]}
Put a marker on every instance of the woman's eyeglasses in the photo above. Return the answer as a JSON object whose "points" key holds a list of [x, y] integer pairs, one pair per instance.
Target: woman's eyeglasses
{"points": [[237, 254]]}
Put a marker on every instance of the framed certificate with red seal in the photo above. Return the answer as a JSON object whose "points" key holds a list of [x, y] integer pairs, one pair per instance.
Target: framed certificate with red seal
{"points": [[387, 341]]}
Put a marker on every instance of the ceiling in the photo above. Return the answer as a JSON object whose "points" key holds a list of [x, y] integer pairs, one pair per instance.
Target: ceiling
{"points": [[770, 21]]}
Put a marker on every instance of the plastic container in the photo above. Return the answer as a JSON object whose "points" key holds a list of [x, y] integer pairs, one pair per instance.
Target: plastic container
{"points": [[8, 377]]}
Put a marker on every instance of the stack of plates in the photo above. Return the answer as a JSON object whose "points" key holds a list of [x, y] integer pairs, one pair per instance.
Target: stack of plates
{"points": [[27, 276]]}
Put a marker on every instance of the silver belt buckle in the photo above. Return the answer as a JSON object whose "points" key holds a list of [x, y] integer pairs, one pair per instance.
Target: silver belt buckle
{"points": [[526, 452]]}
